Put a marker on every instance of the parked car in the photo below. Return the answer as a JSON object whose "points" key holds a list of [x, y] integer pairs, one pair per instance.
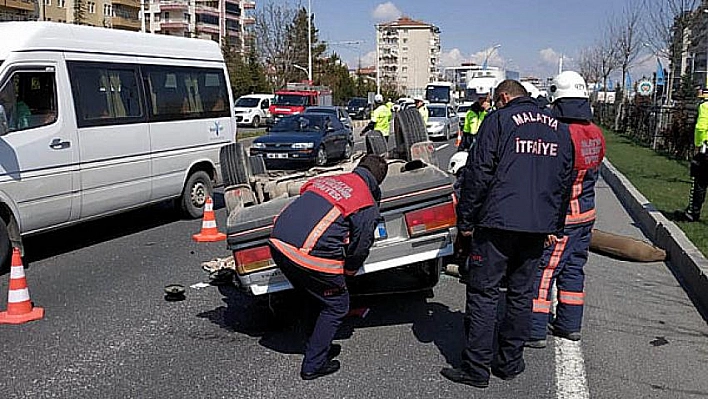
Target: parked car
{"points": [[443, 121], [462, 112], [338, 112], [359, 108], [252, 109], [311, 138]]}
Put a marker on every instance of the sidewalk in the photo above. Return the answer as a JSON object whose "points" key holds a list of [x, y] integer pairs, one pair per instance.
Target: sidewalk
{"points": [[686, 262]]}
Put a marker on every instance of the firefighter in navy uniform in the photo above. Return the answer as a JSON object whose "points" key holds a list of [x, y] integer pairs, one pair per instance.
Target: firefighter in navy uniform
{"points": [[320, 237], [514, 196], [563, 263]]}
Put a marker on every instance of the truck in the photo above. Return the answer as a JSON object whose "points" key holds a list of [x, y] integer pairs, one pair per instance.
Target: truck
{"points": [[295, 97], [482, 81], [417, 233]]}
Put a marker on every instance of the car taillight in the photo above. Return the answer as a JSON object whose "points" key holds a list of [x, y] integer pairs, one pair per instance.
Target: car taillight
{"points": [[253, 259], [431, 219]]}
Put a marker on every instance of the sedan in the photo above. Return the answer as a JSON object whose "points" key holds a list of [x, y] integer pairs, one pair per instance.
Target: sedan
{"points": [[337, 112], [308, 138], [443, 121]]}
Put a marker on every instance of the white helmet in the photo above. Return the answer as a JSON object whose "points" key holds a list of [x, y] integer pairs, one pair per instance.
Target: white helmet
{"points": [[568, 84], [378, 98], [457, 161], [531, 89]]}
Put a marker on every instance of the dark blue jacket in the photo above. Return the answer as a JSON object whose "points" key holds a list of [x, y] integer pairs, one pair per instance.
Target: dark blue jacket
{"points": [[518, 175], [346, 238]]}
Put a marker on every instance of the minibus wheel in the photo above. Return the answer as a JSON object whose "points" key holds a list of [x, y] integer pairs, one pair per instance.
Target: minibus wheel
{"points": [[196, 190]]}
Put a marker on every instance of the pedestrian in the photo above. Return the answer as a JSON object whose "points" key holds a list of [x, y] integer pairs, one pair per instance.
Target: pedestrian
{"points": [[380, 118], [420, 105], [699, 165], [320, 237], [513, 197], [563, 262], [473, 120]]}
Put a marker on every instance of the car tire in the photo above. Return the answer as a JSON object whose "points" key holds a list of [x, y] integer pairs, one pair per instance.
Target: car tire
{"points": [[5, 247], [256, 122], [409, 129], [233, 164], [348, 149], [375, 143], [198, 187], [321, 156]]}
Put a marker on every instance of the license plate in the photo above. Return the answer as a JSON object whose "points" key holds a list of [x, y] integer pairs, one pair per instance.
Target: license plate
{"points": [[276, 156], [380, 232]]}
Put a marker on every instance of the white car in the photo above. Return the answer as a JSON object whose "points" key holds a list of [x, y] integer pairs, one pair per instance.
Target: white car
{"points": [[252, 109], [443, 121]]}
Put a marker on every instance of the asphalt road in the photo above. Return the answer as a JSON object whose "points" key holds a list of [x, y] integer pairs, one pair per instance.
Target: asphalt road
{"points": [[109, 333]]}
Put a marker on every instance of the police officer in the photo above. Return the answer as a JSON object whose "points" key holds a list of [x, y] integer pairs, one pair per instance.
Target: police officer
{"points": [[563, 262], [319, 238], [420, 105], [699, 165], [473, 120], [380, 118], [514, 196]]}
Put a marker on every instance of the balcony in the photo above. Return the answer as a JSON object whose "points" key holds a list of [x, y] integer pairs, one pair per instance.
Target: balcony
{"points": [[127, 3], [202, 9], [125, 23], [207, 28], [25, 5], [174, 24], [173, 5], [249, 5], [248, 20]]}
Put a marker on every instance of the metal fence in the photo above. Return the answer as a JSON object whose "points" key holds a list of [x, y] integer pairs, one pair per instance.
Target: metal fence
{"points": [[667, 129]]}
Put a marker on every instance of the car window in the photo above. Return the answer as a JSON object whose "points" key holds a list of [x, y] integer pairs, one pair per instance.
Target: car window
{"points": [[29, 99], [300, 123], [436, 112], [247, 102]]}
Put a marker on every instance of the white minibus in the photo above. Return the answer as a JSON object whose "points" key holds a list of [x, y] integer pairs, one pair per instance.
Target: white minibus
{"points": [[97, 121]]}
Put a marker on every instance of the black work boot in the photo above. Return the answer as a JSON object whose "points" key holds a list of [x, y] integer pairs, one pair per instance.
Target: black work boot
{"points": [[332, 366]]}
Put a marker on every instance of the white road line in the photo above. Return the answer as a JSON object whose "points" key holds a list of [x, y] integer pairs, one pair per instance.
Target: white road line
{"points": [[571, 382], [442, 146]]}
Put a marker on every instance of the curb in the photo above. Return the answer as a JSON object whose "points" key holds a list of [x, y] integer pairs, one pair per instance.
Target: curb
{"points": [[687, 263]]}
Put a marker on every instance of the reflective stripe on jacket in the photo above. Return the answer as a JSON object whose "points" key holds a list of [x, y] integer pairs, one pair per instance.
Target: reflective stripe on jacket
{"points": [[589, 144]]}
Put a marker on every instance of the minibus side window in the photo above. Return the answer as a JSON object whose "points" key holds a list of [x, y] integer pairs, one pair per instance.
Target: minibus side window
{"points": [[106, 94], [29, 100], [178, 93]]}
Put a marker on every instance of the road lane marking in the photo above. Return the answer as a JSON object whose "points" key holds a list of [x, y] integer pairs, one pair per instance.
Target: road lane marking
{"points": [[571, 382], [442, 146]]}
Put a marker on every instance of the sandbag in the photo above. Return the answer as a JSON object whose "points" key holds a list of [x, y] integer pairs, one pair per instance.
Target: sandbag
{"points": [[626, 248]]}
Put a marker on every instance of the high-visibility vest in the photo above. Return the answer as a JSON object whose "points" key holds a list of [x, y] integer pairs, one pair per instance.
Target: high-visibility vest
{"points": [[382, 119], [472, 121], [701, 131]]}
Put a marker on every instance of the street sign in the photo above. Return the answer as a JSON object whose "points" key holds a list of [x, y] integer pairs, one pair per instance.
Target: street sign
{"points": [[645, 88]]}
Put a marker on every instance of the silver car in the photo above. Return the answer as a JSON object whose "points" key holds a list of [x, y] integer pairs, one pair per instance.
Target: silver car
{"points": [[443, 121]]}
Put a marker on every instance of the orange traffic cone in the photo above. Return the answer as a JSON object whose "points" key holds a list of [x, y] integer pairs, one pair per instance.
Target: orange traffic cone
{"points": [[19, 306], [209, 232], [459, 138]]}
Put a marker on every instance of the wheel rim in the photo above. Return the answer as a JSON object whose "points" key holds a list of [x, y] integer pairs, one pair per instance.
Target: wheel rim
{"points": [[348, 150], [256, 121], [321, 156], [198, 194]]}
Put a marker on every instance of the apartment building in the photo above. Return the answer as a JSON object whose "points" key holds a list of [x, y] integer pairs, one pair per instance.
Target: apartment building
{"points": [[408, 53], [209, 19]]}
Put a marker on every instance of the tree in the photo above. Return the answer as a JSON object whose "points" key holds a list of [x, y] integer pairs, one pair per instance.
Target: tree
{"points": [[79, 12], [626, 33], [272, 27], [298, 42]]}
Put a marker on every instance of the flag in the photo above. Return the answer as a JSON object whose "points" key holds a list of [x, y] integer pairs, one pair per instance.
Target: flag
{"points": [[610, 85], [628, 82], [659, 72]]}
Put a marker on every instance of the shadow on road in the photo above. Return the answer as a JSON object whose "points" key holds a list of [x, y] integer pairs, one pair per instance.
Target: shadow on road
{"points": [[286, 330]]}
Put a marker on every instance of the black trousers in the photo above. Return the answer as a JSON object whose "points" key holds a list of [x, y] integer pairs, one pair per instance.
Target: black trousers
{"points": [[329, 294], [494, 254]]}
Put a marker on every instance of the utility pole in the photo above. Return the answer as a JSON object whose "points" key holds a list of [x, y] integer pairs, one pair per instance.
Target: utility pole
{"points": [[309, 41]]}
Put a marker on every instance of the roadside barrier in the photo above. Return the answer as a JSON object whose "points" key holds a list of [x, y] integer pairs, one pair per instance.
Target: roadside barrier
{"points": [[19, 306], [209, 231]]}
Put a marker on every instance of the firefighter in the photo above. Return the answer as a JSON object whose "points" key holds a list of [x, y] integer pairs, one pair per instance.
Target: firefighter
{"points": [[420, 105], [321, 237], [520, 149], [699, 164], [563, 263], [380, 118], [473, 120]]}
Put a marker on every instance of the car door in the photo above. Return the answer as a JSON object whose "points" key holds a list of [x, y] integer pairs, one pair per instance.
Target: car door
{"points": [[39, 151]]}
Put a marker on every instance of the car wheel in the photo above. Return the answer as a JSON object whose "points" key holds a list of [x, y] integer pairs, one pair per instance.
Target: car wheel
{"points": [[256, 121], [194, 194], [375, 143], [348, 150], [321, 157], [409, 129], [5, 245], [233, 164]]}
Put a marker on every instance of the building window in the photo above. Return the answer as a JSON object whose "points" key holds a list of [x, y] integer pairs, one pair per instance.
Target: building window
{"points": [[47, 2], [404, 48], [61, 3], [405, 40], [91, 7], [107, 9], [405, 60]]}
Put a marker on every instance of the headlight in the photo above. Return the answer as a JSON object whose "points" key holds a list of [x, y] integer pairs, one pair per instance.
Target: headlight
{"points": [[258, 145], [361, 108], [302, 146]]}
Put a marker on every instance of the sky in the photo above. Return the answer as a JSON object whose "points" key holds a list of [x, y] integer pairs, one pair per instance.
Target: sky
{"points": [[532, 34]]}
